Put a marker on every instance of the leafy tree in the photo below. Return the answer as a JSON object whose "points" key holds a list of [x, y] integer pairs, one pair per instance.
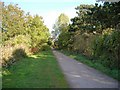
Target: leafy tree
{"points": [[82, 21], [98, 23], [16, 23], [39, 32], [12, 21], [96, 18], [94, 32], [61, 23], [61, 28], [64, 39], [107, 15]]}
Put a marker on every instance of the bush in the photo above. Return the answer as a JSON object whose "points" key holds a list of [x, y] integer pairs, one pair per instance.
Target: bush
{"points": [[18, 40], [107, 48], [34, 50], [18, 53], [11, 53], [45, 47], [83, 44]]}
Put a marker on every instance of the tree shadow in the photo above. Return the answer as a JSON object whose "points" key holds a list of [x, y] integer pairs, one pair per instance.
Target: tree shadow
{"points": [[16, 55]]}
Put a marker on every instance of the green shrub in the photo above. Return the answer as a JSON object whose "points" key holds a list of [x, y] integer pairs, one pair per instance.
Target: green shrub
{"points": [[83, 44], [18, 53], [20, 41], [107, 48], [12, 53], [45, 47]]}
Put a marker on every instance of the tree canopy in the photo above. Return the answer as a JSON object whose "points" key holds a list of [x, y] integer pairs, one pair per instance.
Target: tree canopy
{"points": [[94, 32], [16, 23], [61, 23]]}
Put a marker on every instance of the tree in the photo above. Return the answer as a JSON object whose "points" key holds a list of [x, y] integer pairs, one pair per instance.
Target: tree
{"points": [[98, 24], [96, 18], [16, 23], [82, 22], [61, 23], [39, 32], [12, 21]]}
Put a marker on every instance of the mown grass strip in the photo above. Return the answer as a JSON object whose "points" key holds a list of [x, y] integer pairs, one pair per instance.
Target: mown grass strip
{"points": [[114, 73], [36, 71]]}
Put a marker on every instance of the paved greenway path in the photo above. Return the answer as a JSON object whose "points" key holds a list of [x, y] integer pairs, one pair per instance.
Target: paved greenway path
{"points": [[79, 75]]}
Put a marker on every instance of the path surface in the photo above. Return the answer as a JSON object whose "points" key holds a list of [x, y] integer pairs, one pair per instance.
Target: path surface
{"points": [[79, 75]]}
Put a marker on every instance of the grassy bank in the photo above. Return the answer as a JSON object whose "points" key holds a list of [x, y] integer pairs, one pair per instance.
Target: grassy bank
{"points": [[36, 71], [114, 73]]}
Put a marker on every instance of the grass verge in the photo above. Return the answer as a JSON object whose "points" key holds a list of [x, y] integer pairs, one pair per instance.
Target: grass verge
{"points": [[36, 71], [114, 73]]}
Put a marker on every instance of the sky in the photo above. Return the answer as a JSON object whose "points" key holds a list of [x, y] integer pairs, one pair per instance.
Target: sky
{"points": [[50, 9]]}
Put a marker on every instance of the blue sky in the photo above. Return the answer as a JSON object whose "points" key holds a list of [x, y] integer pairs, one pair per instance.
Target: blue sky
{"points": [[50, 9]]}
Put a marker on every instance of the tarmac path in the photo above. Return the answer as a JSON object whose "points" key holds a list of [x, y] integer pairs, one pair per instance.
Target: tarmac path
{"points": [[80, 75]]}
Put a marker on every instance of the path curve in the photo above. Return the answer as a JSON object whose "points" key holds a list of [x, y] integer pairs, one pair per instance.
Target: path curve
{"points": [[80, 75]]}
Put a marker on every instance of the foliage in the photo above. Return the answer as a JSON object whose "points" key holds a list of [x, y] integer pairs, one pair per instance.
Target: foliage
{"points": [[64, 39], [21, 31], [96, 18], [50, 43], [18, 40], [45, 47], [18, 53], [39, 33], [12, 54], [12, 21], [60, 25], [94, 32], [16, 23], [83, 43], [107, 47]]}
